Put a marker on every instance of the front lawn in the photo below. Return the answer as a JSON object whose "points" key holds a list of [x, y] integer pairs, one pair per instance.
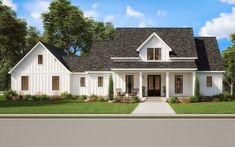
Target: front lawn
{"points": [[205, 108], [64, 107]]}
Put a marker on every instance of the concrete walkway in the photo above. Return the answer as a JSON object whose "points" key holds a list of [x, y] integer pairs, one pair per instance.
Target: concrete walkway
{"points": [[153, 108]]}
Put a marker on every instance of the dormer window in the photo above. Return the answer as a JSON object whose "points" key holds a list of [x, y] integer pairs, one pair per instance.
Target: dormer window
{"points": [[40, 59], [154, 53]]}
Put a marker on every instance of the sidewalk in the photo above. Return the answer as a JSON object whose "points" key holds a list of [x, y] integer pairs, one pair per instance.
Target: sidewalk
{"points": [[153, 108]]}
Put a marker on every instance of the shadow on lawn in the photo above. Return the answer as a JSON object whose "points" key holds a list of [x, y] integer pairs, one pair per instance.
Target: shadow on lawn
{"points": [[8, 104]]}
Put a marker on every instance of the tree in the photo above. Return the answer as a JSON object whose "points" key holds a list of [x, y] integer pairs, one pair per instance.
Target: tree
{"points": [[12, 42], [229, 64], [110, 90], [66, 27], [32, 38], [197, 88]]}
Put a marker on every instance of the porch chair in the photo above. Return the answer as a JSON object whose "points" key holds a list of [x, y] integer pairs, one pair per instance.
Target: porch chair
{"points": [[119, 92], [134, 92]]}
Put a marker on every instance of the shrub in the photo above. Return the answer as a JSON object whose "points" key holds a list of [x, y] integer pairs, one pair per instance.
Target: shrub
{"points": [[173, 99], [43, 97], [117, 100], [66, 96], [127, 100], [93, 98], [10, 95], [101, 99], [205, 99], [135, 99], [193, 99], [197, 88], [28, 97], [184, 100], [76, 97], [82, 97], [55, 97], [110, 90]]}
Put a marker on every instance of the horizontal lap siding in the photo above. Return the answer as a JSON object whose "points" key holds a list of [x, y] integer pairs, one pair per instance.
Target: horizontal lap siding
{"points": [[40, 75]]}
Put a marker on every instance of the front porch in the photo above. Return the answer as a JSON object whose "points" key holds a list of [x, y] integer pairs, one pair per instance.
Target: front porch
{"points": [[160, 84]]}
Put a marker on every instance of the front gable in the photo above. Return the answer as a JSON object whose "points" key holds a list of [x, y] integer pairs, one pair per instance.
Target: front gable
{"points": [[154, 41], [29, 64]]}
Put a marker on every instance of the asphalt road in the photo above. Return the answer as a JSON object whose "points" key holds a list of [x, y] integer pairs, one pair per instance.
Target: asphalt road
{"points": [[117, 132]]}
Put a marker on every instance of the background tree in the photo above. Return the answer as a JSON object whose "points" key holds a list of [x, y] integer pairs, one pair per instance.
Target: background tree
{"points": [[229, 64], [66, 27], [32, 38], [12, 42]]}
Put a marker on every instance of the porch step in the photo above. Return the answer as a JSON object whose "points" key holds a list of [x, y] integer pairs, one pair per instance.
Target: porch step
{"points": [[153, 99]]}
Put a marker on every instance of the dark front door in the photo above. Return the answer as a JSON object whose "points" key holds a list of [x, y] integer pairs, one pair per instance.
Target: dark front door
{"points": [[154, 85]]}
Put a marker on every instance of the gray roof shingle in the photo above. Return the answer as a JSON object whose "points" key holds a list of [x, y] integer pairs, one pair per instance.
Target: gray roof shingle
{"points": [[127, 40]]}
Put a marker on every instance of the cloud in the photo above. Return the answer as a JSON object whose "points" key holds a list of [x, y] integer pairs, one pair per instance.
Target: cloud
{"points": [[92, 12], [9, 3], [109, 18], [161, 13], [38, 7], [228, 1], [133, 13], [141, 25], [221, 27]]}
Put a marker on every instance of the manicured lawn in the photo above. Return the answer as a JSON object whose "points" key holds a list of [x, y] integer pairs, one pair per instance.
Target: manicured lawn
{"points": [[205, 108], [63, 107]]}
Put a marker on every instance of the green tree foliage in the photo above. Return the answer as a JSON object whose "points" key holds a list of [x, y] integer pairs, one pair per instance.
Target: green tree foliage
{"points": [[32, 37], [66, 27], [110, 90], [197, 88], [12, 42], [229, 64]]}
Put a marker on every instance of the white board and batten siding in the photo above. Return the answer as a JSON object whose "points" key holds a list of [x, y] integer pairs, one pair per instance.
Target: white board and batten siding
{"points": [[155, 42], [91, 84], [217, 83], [40, 75]]}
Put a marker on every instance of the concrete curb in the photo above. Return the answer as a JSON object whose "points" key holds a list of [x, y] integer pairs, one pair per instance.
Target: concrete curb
{"points": [[117, 116]]}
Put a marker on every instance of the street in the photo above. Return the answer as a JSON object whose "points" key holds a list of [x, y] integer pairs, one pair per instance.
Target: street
{"points": [[81, 132]]}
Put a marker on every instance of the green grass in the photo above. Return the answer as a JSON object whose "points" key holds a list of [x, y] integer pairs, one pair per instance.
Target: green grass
{"points": [[205, 108], [63, 107]]}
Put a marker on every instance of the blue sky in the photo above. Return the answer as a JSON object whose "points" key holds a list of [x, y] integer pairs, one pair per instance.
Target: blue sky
{"points": [[206, 17]]}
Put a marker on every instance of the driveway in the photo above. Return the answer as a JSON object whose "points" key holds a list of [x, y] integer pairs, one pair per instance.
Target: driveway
{"points": [[153, 108]]}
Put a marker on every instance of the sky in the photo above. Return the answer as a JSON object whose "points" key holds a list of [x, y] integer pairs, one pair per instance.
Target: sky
{"points": [[206, 17]]}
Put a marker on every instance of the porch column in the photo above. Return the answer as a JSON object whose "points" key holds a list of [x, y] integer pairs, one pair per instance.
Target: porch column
{"points": [[140, 84], [167, 85], [193, 82]]}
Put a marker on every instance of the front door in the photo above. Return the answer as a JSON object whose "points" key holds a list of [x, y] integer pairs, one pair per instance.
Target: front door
{"points": [[154, 85]]}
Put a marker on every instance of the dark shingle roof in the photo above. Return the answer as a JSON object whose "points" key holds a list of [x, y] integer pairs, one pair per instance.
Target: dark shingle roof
{"points": [[209, 58], [57, 52], [127, 40]]}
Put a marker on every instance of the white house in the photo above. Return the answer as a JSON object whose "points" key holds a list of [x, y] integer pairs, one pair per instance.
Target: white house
{"points": [[157, 62]]}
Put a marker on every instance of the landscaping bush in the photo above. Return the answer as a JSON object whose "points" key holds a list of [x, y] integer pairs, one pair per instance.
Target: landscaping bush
{"points": [[184, 100], [110, 88], [76, 97], [126, 100], [193, 99], [28, 97], [197, 88], [82, 98], [117, 100], [101, 99], [136, 99], [42, 97], [55, 97], [173, 99], [205, 99], [93, 98], [66, 96], [10, 95]]}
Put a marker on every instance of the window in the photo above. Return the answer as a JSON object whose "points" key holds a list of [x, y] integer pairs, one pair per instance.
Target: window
{"points": [[178, 83], [55, 82], [154, 54], [82, 82], [25, 83], [100, 81], [209, 81], [40, 59], [129, 83]]}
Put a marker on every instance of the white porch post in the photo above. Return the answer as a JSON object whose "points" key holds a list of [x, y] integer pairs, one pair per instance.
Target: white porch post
{"points": [[140, 84], [193, 82], [167, 85]]}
